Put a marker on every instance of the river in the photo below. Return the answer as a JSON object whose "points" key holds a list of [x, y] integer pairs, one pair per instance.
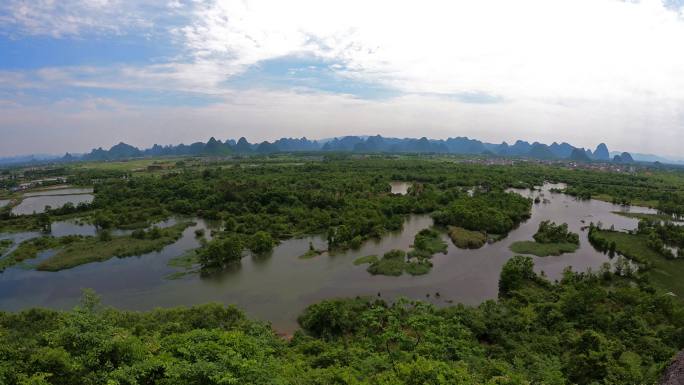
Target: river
{"points": [[278, 287]]}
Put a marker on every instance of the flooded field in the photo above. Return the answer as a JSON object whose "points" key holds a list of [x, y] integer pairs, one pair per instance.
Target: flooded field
{"points": [[36, 201], [278, 286]]}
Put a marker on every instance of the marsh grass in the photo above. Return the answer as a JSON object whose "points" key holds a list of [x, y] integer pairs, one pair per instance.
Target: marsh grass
{"points": [[467, 239]]}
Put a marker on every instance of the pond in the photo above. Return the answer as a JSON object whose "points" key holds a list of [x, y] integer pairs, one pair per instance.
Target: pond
{"points": [[279, 286], [35, 202], [400, 188], [60, 191]]}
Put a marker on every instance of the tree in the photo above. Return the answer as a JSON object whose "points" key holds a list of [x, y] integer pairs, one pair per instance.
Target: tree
{"points": [[261, 242], [220, 252], [45, 222], [514, 274], [104, 235], [103, 220]]}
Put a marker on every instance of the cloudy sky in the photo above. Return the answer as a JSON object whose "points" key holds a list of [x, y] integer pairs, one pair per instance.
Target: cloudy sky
{"points": [[80, 74]]}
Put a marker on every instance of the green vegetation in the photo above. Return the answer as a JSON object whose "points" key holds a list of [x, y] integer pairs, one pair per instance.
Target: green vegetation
{"points": [[550, 239], [31, 248], [665, 273], [364, 260], [416, 262], [261, 242], [655, 217], [220, 253], [76, 250], [311, 253], [466, 239], [392, 263], [92, 249], [427, 243], [185, 261], [492, 212], [4, 245], [585, 329], [549, 232]]}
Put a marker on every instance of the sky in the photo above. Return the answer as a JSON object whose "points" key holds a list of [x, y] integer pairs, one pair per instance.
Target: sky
{"points": [[75, 75]]}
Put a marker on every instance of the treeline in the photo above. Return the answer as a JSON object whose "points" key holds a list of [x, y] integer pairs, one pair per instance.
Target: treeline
{"points": [[549, 232], [585, 329], [492, 212]]}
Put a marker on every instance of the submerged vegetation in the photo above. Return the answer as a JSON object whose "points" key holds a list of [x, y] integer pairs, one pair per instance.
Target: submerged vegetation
{"points": [[4, 245], [365, 259], [585, 329], [550, 239], [416, 262], [75, 250]]}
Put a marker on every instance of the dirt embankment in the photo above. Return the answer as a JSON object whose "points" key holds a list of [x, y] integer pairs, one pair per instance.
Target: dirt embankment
{"points": [[674, 374]]}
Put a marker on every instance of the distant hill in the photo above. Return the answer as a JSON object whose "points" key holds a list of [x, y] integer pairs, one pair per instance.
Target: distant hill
{"points": [[579, 155], [360, 144], [601, 153]]}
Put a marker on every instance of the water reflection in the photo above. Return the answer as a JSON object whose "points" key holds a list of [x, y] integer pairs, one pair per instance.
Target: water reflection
{"points": [[400, 188], [276, 287], [36, 204], [60, 191]]}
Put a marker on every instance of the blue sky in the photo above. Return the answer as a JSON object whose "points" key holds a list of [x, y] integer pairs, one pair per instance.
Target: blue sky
{"points": [[81, 74]]}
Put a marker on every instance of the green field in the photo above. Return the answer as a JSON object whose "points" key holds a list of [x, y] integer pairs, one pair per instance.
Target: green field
{"points": [[128, 165], [365, 259], [667, 274]]}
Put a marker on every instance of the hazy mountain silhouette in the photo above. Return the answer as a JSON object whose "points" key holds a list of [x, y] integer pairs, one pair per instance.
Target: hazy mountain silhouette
{"points": [[363, 144]]}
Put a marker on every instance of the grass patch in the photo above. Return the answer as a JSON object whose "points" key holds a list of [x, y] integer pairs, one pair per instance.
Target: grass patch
{"points": [[24, 223], [416, 262], [664, 273], [550, 239], [4, 245], [430, 242], [78, 250], [367, 259], [31, 248], [633, 202], [418, 267], [185, 261], [392, 263], [656, 217], [632, 246], [129, 165], [542, 249], [467, 239], [311, 253]]}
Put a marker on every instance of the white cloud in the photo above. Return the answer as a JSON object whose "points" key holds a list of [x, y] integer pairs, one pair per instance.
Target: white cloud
{"points": [[584, 71], [74, 18], [79, 125], [586, 49]]}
